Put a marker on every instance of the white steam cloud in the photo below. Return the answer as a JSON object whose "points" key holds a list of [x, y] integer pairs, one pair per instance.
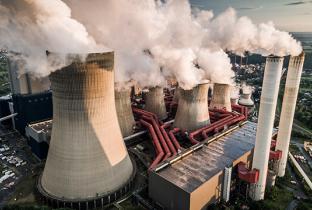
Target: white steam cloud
{"points": [[153, 39], [30, 27]]}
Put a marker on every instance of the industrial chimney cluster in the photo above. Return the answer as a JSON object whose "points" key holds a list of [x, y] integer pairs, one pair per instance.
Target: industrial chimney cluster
{"points": [[88, 165]]}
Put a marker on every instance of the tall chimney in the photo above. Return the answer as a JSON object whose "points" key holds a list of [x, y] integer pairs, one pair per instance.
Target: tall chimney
{"points": [[155, 102], [87, 157], [124, 111], [270, 87], [192, 110], [288, 109], [221, 97]]}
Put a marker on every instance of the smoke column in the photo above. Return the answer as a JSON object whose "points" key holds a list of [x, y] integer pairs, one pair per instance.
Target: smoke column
{"points": [[154, 40], [30, 27]]}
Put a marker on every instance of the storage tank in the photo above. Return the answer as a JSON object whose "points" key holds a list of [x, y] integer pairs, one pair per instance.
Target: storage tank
{"points": [[221, 97], [192, 110], [88, 164], [155, 102], [124, 111], [288, 109], [270, 87]]}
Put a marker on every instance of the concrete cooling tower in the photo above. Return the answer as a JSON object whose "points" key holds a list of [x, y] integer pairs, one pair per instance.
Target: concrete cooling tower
{"points": [[88, 164], [192, 110], [155, 102], [124, 111], [245, 99], [221, 98], [270, 87], [288, 109]]}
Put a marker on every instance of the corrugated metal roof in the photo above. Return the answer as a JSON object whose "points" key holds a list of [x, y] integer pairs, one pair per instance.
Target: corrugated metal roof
{"points": [[198, 167]]}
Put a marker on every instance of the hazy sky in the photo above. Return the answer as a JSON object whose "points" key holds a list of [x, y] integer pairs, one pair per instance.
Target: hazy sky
{"points": [[289, 15]]}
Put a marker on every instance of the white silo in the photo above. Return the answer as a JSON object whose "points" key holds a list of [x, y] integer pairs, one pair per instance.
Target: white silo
{"points": [[87, 158], [288, 109], [270, 87]]}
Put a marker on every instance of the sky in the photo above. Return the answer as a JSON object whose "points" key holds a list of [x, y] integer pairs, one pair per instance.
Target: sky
{"points": [[288, 15]]}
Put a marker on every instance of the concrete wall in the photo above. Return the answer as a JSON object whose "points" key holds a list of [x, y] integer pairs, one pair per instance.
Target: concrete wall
{"points": [[87, 155]]}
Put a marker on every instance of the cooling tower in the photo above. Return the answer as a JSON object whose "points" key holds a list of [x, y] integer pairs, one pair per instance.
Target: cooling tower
{"points": [[87, 158], [155, 103], [245, 100], [176, 95], [270, 87], [234, 101], [288, 109], [124, 111], [221, 97], [192, 110]]}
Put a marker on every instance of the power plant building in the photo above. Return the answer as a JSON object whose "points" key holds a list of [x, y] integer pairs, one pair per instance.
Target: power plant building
{"points": [[201, 177]]}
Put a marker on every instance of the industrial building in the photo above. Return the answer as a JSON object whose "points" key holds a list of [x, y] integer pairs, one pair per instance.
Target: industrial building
{"points": [[167, 148]]}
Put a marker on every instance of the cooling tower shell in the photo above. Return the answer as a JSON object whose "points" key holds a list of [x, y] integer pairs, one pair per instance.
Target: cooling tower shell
{"points": [[87, 158], [245, 100], [193, 110], [124, 111], [270, 88], [155, 102], [288, 109], [234, 101], [221, 98]]}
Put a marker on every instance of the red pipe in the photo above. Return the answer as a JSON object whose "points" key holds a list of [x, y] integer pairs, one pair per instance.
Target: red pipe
{"points": [[197, 132], [159, 150], [173, 138], [168, 140], [230, 122], [159, 134], [216, 125], [144, 112]]}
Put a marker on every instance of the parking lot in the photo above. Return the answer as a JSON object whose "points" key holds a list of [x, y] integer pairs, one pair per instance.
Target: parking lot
{"points": [[16, 162]]}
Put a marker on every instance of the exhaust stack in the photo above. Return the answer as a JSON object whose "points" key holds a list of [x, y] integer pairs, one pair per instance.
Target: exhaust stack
{"points": [[221, 98], [155, 102], [87, 158], [288, 109], [124, 111], [192, 110], [270, 87]]}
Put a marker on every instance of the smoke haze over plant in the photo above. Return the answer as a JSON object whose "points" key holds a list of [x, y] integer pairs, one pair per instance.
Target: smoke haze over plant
{"points": [[153, 40]]}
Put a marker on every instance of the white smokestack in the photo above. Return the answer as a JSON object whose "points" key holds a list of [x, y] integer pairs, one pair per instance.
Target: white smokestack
{"points": [[221, 97], [192, 110], [124, 111], [155, 102], [288, 109], [87, 156], [270, 87]]}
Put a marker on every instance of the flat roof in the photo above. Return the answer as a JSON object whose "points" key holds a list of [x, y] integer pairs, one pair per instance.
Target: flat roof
{"points": [[44, 126], [195, 169]]}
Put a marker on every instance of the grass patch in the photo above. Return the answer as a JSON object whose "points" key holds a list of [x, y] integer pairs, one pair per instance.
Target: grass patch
{"points": [[277, 198], [24, 192]]}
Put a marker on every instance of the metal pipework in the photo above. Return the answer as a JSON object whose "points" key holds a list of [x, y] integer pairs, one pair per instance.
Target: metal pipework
{"points": [[270, 87], [288, 109]]}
